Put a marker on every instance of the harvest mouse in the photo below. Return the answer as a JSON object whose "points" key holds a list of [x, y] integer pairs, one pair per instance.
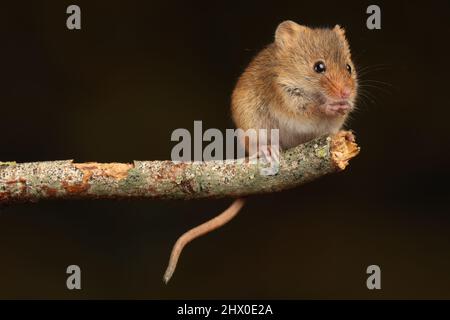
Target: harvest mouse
{"points": [[304, 84]]}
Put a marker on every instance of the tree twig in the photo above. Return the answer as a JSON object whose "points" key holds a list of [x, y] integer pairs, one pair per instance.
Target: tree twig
{"points": [[20, 182]]}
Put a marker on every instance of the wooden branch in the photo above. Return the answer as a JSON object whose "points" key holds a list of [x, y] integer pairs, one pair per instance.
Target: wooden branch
{"points": [[35, 181]]}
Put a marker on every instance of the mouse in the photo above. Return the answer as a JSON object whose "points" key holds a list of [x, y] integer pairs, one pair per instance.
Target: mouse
{"points": [[304, 84]]}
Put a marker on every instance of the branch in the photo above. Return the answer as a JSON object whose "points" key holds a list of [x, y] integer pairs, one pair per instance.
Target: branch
{"points": [[21, 182]]}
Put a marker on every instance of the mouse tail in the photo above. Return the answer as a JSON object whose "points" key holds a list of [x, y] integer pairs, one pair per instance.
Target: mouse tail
{"points": [[200, 230]]}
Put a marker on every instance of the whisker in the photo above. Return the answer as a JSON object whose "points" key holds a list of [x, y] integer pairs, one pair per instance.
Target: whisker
{"points": [[387, 90], [378, 81]]}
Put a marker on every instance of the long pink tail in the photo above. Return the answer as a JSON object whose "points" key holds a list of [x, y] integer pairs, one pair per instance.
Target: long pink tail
{"points": [[198, 231]]}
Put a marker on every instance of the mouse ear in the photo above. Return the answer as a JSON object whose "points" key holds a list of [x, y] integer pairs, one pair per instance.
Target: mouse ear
{"points": [[287, 31], [340, 31]]}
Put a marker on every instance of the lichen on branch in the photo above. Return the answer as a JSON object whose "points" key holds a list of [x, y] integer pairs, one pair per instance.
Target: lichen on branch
{"points": [[21, 182]]}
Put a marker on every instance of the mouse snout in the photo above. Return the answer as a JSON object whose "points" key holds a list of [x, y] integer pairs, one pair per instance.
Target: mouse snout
{"points": [[345, 92]]}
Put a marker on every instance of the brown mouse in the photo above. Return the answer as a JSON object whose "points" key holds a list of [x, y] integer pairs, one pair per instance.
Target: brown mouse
{"points": [[304, 84]]}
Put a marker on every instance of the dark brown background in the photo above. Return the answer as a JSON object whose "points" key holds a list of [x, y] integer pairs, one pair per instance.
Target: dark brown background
{"points": [[137, 70]]}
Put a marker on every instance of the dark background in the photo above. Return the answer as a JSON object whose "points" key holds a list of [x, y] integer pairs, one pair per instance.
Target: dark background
{"points": [[115, 91]]}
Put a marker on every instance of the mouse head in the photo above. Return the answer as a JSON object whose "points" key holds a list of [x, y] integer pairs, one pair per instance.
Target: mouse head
{"points": [[314, 69]]}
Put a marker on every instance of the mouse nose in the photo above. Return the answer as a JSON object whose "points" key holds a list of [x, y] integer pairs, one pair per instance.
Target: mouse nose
{"points": [[345, 92]]}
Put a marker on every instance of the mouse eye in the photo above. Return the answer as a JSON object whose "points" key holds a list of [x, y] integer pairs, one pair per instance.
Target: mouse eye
{"points": [[349, 69], [319, 67]]}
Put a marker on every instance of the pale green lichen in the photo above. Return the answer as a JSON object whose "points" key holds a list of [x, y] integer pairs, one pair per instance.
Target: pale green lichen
{"points": [[322, 152], [134, 182], [8, 163]]}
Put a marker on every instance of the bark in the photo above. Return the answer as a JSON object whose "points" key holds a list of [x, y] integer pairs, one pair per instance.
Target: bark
{"points": [[21, 182]]}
